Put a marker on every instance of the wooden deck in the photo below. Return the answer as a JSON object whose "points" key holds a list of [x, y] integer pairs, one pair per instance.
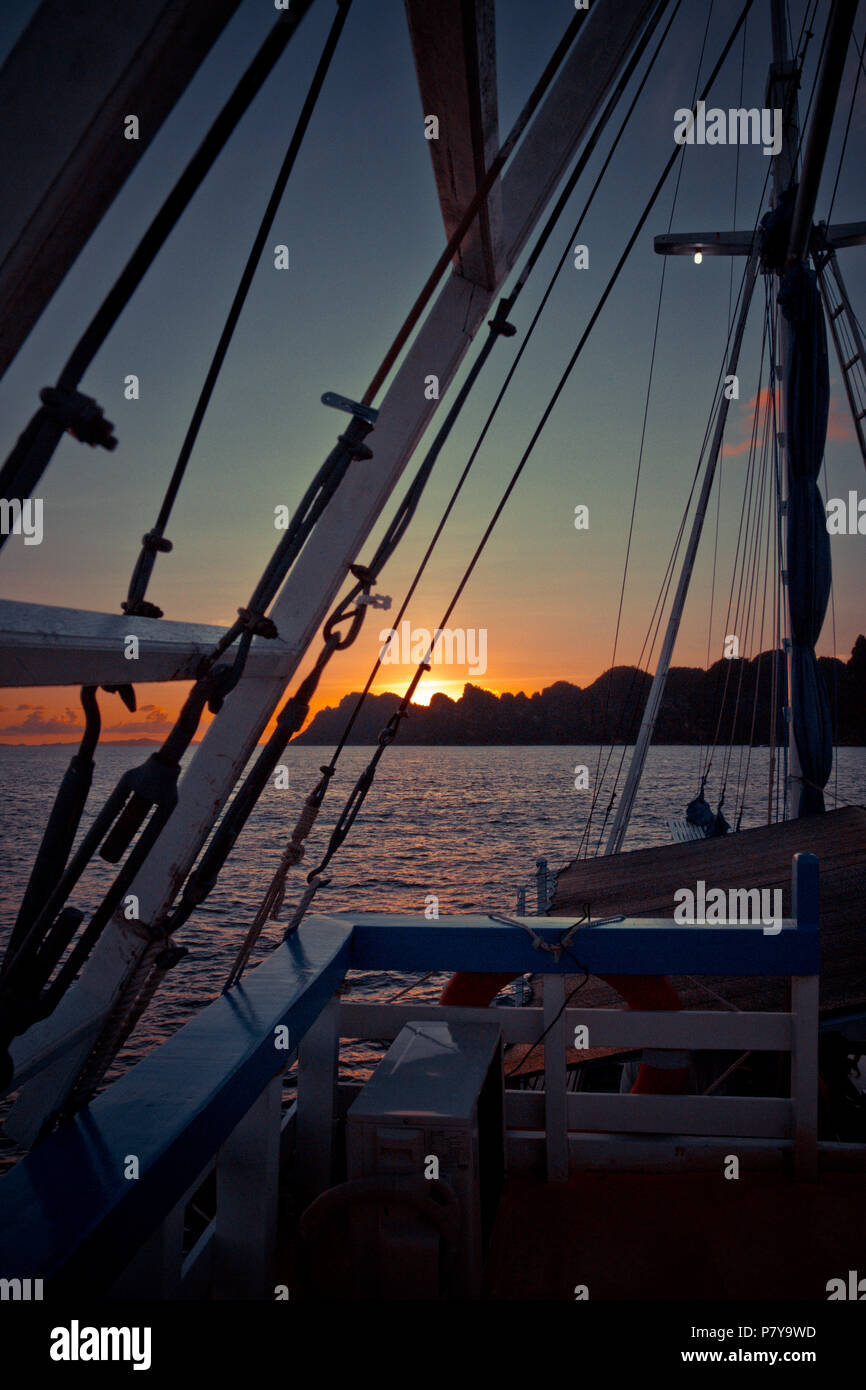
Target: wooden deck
{"points": [[642, 883]]}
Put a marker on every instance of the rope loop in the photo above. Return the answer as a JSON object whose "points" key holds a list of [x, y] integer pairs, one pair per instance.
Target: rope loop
{"points": [[154, 540], [141, 608], [356, 449], [342, 613], [258, 624]]}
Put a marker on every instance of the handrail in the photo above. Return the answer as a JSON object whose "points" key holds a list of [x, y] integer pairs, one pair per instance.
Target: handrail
{"points": [[70, 1213], [171, 1112]]}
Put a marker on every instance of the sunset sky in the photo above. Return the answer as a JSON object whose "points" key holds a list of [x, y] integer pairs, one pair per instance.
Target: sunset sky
{"points": [[362, 222]]}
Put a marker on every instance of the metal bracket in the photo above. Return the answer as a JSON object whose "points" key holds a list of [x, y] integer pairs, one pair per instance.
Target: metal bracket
{"points": [[363, 412], [374, 600]]}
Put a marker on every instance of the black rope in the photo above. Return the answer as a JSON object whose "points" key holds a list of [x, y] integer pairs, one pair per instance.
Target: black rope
{"points": [[60, 830], [64, 407], [515, 1071], [154, 542]]}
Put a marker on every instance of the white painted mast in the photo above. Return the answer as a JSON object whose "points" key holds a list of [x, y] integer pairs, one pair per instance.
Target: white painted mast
{"points": [[636, 766]]}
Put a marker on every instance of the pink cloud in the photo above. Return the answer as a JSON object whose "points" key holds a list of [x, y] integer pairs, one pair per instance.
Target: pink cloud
{"points": [[150, 721], [36, 724]]}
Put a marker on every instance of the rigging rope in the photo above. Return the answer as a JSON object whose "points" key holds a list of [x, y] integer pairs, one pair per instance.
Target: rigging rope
{"points": [[154, 541], [273, 898], [155, 783], [128, 1010], [141, 986], [478, 200], [599, 773], [533, 258], [859, 49], [740, 546], [64, 407], [52, 858], [629, 701], [364, 782]]}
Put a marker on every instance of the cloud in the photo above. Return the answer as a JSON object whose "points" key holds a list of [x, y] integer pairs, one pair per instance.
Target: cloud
{"points": [[150, 721], [839, 426], [745, 424], [37, 725]]}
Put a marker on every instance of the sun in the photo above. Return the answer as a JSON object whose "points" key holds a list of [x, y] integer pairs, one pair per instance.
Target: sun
{"points": [[426, 690]]}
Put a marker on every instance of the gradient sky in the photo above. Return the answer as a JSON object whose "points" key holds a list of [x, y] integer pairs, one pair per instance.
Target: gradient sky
{"points": [[362, 222]]}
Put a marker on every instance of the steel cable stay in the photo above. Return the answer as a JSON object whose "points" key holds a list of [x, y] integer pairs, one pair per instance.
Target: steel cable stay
{"points": [[768, 451], [746, 618], [654, 624], [537, 249], [835, 668], [760, 642], [656, 617], [64, 407], [718, 481], [364, 782], [649, 713], [741, 617], [776, 783], [860, 68], [720, 701], [805, 35]]}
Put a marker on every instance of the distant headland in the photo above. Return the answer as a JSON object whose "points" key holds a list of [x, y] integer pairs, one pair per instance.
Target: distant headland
{"points": [[610, 709]]}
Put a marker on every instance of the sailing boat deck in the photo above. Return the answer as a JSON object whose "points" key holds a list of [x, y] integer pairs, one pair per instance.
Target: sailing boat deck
{"points": [[642, 883]]}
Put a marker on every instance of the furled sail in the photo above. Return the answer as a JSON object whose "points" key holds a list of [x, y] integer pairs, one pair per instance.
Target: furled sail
{"points": [[808, 550]]}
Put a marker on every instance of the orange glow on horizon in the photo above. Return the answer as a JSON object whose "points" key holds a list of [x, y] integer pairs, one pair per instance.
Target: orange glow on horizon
{"points": [[427, 688]]}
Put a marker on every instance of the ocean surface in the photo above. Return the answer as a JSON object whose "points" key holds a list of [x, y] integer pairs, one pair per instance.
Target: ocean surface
{"points": [[465, 824]]}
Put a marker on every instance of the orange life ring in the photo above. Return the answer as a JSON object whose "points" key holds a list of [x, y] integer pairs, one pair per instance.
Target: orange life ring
{"points": [[659, 1078]]}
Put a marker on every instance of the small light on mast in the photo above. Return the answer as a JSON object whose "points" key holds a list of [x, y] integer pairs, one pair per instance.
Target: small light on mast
{"points": [[698, 257]]}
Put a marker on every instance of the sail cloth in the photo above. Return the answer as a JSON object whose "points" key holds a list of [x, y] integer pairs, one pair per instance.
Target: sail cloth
{"points": [[808, 557]]}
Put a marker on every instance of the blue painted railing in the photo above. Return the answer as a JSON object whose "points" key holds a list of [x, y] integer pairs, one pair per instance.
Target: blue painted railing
{"points": [[70, 1215]]}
